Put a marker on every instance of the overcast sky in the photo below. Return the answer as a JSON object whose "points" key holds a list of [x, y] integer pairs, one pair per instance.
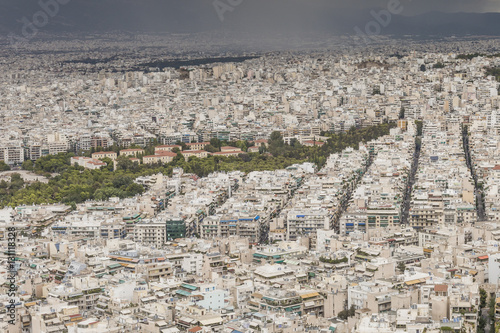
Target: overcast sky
{"points": [[258, 16], [413, 7]]}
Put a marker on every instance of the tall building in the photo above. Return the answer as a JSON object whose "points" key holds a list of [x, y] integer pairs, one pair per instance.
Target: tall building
{"points": [[175, 228], [12, 154]]}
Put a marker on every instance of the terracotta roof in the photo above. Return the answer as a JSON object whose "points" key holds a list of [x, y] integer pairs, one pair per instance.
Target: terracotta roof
{"points": [[229, 152], [166, 153], [197, 143], [193, 151], [439, 288], [318, 143], [167, 146], [104, 152]]}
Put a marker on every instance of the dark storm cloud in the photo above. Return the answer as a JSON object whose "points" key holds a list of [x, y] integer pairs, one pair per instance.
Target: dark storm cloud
{"points": [[251, 16], [413, 7]]}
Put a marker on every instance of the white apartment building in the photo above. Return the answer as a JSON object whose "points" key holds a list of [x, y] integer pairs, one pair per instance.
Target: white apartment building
{"points": [[305, 222], [150, 232], [12, 154]]}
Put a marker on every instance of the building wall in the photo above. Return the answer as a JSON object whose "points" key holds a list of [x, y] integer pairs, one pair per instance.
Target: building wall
{"points": [[494, 268], [440, 306], [193, 263], [213, 299]]}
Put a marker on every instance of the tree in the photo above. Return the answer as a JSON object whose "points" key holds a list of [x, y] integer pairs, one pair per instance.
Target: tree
{"points": [[178, 158], [243, 145], [16, 181], [4, 166], [245, 157], [122, 181], [134, 189], [482, 298], [420, 126], [124, 163], [492, 309], [182, 144], [481, 324], [493, 71], [401, 266], [214, 142], [211, 149], [344, 314], [109, 164], [402, 113], [352, 311], [347, 313], [276, 138], [28, 165]]}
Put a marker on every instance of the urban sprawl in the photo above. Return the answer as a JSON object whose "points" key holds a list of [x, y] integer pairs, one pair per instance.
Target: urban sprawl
{"points": [[352, 190]]}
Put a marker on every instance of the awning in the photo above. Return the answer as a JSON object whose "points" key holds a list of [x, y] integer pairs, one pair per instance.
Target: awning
{"points": [[186, 320], [161, 323], [188, 286], [183, 292], [314, 294], [483, 257], [413, 282], [211, 321]]}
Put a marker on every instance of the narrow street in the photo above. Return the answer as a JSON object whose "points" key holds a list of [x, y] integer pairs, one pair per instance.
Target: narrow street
{"points": [[480, 206], [405, 209]]}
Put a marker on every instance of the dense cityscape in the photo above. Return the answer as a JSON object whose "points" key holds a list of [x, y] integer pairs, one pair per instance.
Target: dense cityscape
{"points": [[167, 184]]}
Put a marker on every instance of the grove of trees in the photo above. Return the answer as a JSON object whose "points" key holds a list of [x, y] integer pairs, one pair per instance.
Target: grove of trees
{"points": [[74, 184]]}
